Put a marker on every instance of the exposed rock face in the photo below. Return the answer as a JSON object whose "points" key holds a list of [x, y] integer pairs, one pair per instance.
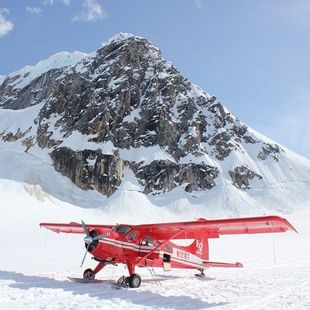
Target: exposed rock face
{"points": [[270, 150], [40, 89], [163, 176], [241, 176], [12, 137], [127, 97], [89, 169]]}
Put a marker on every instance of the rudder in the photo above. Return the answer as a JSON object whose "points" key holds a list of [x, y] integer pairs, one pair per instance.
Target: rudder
{"points": [[200, 248]]}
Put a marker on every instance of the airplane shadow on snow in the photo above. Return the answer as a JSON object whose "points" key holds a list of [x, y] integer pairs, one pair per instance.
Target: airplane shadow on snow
{"points": [[100, 291]]}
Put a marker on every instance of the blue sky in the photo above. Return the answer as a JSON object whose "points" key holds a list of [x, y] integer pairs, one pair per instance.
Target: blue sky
{"points": [[253, 55]]}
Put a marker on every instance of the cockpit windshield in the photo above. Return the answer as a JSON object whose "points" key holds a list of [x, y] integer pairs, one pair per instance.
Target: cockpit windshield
{"points": [[121, 229]]}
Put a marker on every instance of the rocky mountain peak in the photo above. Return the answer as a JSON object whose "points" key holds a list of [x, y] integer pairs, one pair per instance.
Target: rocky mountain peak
{"points": [[125, 107], [134, 43]]}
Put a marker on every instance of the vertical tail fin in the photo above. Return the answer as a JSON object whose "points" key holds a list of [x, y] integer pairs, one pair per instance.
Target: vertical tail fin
{"points": [[200, 248]]}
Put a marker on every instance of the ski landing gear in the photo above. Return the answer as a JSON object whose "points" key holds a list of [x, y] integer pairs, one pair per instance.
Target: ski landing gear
{"points": [[90, 274], [133, 281], [201, 274]]}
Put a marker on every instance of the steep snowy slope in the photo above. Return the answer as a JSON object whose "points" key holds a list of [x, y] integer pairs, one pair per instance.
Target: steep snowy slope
{"points": [[80, 125], [23, 77], [35, 263]]}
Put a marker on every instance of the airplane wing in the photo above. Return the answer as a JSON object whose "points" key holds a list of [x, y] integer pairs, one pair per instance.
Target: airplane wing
{"points": [[73, 228], [215, 228]]}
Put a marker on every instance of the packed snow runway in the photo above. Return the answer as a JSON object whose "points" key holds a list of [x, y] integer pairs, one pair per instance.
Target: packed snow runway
{"points": [[35, 264], [280, 286]]}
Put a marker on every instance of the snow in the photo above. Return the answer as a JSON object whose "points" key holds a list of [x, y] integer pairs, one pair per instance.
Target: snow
{"points": [[122, 36], [2, 78], [133, 116], [78, 142], [196, 91], [35, 262], [145, 154], [285, 183], [56, 61], [12, 120]]}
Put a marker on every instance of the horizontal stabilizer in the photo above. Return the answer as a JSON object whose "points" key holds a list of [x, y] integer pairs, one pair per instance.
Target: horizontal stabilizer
{"points": [[219, 264]]}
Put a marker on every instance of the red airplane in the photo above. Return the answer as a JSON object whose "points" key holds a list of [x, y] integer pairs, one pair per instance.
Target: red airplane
{"points": [[150, 245]]}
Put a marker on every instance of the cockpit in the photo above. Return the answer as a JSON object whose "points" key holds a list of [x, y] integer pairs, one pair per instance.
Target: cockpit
{"points": [[121, 229], [131, 235]]}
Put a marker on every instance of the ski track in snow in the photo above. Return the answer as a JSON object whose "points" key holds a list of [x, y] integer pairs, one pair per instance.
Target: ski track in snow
{"points": [[35, 264]]}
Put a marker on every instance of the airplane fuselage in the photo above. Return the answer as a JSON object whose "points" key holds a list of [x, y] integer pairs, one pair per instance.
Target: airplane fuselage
{"points": [[168, 255]]}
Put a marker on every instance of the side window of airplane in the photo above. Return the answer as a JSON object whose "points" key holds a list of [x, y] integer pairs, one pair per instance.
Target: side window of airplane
{"points": [[121, 229], [147, 241], [132, 235]]}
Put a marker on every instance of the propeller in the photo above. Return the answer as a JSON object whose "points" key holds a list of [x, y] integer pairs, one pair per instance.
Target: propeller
{"points": [[89, 239], [85, 255]]}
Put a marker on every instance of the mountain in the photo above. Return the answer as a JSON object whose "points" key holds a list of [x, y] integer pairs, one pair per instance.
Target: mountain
{"points": [[92, 128]]}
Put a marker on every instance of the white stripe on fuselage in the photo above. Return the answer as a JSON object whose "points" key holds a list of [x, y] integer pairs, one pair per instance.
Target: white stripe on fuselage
{"points": [[128, 245]]}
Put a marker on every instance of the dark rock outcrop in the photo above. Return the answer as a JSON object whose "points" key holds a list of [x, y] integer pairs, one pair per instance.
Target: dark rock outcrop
{"points": [[89, 169], [163, 176], [270, 150], [241, 176]]}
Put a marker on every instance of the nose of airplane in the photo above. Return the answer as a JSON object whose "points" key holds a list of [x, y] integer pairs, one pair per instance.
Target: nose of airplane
{"points": [[112, 234], [107, 233], [88, 239]]}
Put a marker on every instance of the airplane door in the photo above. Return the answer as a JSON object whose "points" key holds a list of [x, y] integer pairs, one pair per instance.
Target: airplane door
{"points": [[167, 262]]}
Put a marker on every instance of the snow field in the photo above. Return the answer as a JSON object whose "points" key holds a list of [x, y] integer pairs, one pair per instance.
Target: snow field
{"points": [[35, 263]]}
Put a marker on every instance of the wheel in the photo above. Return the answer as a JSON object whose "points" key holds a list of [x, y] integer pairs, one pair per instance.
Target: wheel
{"points": [[89, 274], [134, 280]]}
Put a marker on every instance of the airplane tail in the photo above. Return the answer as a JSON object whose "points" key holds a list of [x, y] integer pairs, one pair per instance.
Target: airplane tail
{"points": [[200, 248]]}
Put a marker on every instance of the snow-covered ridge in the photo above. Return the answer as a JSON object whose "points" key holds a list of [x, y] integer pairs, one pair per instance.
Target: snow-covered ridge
{"points": [[122, 36], [2, 78], [27, 74]]}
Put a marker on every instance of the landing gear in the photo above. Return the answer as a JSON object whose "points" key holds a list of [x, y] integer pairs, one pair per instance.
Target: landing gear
{"points": [[89, 274], [201, 274], [134, 280]]}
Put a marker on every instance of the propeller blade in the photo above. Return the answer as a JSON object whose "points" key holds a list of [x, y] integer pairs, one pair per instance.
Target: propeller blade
{"points": [[100, 237], [85, 255], [85, 229]]}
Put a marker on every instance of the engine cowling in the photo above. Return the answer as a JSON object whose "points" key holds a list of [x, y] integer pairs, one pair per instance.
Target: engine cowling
{"points": [[93, 245]]}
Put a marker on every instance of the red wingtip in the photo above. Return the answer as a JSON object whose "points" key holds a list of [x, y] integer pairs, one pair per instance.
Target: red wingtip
{"points": [[291, 226]]}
